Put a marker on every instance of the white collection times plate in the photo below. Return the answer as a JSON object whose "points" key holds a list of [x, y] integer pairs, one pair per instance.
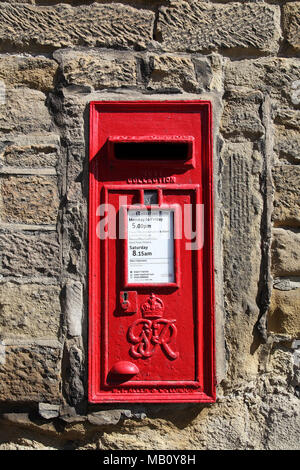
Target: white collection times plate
{"points": [[150, 246]]}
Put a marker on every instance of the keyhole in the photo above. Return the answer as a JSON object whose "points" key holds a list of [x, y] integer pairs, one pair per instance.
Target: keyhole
{"points": [[150, 197], [125, 296]]}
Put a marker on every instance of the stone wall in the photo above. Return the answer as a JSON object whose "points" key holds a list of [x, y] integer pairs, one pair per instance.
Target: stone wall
{"points": [[54, 59]]}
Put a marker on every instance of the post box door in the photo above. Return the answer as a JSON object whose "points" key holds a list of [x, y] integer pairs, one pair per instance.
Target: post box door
{"points": [[151, 253]]}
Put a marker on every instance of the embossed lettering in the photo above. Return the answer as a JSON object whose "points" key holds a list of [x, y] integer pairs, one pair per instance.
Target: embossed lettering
{"points": [[152, 180]]}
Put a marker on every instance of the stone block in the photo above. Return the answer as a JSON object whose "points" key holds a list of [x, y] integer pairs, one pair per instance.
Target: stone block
{"points": [[285, 252], [284, 312], [30, 373], [241, 115], [29, 254], [77, 173], [48, 410], [29, 153], [282, 432], [197, 26], [242, 212], [209, 72], [286, 117], [29, 199], [72, 119], [106, 417], [97, 69], [242, 207], [286, 283], [24, 111], [74, 372], [33, 72], [68, 414], [172, 73], [286, 144], [75, 219], [74, 308], [16, 419], [29, 310], [291, 23], [275, 76], [204, 71], [286, 180], [112, 25]]}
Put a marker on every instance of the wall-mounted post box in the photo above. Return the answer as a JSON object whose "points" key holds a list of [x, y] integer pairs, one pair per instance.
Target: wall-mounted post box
{"points": [[151, 294]]}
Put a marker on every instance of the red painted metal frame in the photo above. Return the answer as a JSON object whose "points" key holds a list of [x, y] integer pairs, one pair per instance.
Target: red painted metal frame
{"points": [[182, 391]]}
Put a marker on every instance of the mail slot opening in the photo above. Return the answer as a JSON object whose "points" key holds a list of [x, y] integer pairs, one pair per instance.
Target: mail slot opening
{"points": [[152, 151], [165, 149]]}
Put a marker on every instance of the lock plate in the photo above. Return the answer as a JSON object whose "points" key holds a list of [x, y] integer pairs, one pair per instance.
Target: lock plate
{"points": [[128, 302]]}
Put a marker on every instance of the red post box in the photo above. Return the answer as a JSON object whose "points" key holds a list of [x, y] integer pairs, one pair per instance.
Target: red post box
{"points": [[151, 289]]}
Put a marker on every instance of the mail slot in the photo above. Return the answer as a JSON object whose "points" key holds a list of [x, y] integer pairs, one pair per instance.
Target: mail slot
{"points": [[148, 150], [151, 284]]}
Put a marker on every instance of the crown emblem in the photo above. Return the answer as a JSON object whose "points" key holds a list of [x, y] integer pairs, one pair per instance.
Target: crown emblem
{"points": [[153, 307]]}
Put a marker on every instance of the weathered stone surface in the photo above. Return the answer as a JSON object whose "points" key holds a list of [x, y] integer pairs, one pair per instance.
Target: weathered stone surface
{"points": [[29, 199], [30, 373], [209, 72], [284, 312], [285, 252], [234, 422], [74, 308], [286, 144], [286, 129], [280, 399], [19, 432], [287, 117], [33, 152], [29, 254], [29, 310], [282, 433], [96, 69], [48, 410], [196, 26], [101, 418], [144, 439], [16, 418], [274, 76], [68, 414], [285, 283], [75, 223], [76, 173], [33, 72], [243, 207], [204, 71], [73, 363], [172, 73], [241, 115], [87, 25], [72, 118], [134, 411], [291, 23], [115, 415], [286, 180], [24, 111]]}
